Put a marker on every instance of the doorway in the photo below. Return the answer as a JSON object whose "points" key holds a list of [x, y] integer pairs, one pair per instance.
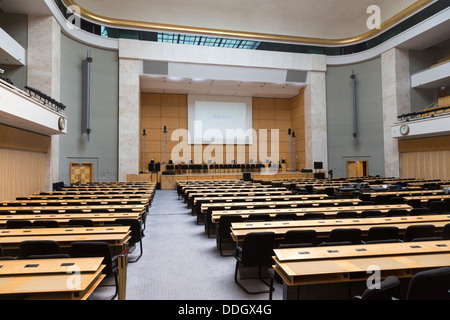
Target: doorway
{"points": [[81, 172], [356, 168]]}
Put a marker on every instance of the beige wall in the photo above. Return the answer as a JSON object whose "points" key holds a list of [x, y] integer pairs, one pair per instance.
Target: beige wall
{"points": [[170, 110], [23, 163]]}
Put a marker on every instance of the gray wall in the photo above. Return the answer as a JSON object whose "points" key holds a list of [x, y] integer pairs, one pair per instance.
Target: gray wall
{"points": [[369, 117], [102, 149], [16, 25]]}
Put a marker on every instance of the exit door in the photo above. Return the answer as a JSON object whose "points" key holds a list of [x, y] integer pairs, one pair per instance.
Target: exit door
{"points": [[357, 168]]}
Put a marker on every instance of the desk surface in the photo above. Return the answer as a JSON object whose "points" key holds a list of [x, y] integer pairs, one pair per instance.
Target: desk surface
{"points": [[62, 209], [329, 211], [51, 278], [267, 197], [65, 217]]}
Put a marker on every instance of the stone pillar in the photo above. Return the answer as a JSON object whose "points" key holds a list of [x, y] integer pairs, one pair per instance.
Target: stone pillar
{"points": [[396, 88], [44, 74], [129, 106], [316, 145]]}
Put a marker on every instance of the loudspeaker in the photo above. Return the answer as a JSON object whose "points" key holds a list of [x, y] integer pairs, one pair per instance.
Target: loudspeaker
{"points": [[319, 175], [318, 165]]}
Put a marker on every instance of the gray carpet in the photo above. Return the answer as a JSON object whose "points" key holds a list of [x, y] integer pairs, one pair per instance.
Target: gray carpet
{"points": [[180, 262]]}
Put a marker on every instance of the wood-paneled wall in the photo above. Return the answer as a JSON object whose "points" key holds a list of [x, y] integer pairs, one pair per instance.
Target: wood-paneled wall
{"points": [[170, 110], [426, 158], [23, 162]]}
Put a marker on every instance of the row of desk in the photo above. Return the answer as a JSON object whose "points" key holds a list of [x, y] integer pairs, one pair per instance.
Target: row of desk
{"points": [[302, 268], [68, 278]]}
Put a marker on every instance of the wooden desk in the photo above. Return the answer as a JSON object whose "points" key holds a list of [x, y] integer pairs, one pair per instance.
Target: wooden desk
{"points": [[324, 227], [431, 197], [328, 211], [50, 278], [62, 209], [63, 218], [268, 197]]}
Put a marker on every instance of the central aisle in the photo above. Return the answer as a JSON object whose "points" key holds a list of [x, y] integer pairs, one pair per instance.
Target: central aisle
{"points": [[180, 262]]}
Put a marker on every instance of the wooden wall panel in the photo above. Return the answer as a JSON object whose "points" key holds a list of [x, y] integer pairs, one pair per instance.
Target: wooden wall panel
{"points": [[426, 164], [159, 110], [22, 173]]}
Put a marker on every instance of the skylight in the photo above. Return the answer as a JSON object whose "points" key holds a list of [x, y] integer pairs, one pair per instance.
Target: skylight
{"points": [[208, 41]]}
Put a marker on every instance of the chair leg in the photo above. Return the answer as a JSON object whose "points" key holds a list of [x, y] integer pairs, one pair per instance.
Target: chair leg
{"points": [[245, 289], [140, 254], [117, 285]]}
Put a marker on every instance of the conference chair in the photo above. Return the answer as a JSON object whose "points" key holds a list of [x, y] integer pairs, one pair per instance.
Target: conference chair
{"points": [[46, 223], [74, 211], [40, 249], [256, 251], [352, 235], [371, 214], [381, 199], [419, 211], [438, 207], [313, 216], [346, 215], [285, 216], [415, 203], [382, 233], [136, 234], [446, 232], [366, 203], [430, 285], [365, 197], [414, 232], [209, 225], [224, 228], [86, 249], [396, 200], [299, 238], [397, 213], [18, 224], [258, 217], [49, 211], [81, 222], [384, 290]]}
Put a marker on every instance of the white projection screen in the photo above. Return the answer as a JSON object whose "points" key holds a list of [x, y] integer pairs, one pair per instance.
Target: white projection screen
{"points": [[220, 120]]}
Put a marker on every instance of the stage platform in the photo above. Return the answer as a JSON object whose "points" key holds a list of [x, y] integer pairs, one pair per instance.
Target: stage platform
{"points": [[169, 182]]}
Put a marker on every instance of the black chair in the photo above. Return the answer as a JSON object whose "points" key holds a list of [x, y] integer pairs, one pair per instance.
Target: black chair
{"points": [[438, 207], [300, 238], [136, 234], [396, 200], [81, 222], [415, 203], [382, 233], [74, 211], [366, 203], [48, 211], [446, 232], [256, 251], [371, 214], [18, 224], [346, 215], [38, 248], [397, 213], [413, 232], [384, 290], [430, 285], [335, 243], [85, 249], [224, 228], [46, 223], [352, 235], [285, 216], [258, 217], [419, 211], [313, 216]]}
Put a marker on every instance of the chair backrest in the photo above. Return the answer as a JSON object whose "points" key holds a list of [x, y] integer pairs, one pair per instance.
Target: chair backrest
{"points": [[384, 291], [258, 217], [415, 203], [371, 213], [81, 222], [87, 249], [313, 215], [419, 211], [446, 232], [257, 248], [430, 285], [38, 247], [346, 214], [396, 200], [438, 206], [46, 223], [225, 222], [18, 224], [419, 231], [397, 213], [345, 234], [301, 236], [382, 233], [286, 216], [135, 225]]}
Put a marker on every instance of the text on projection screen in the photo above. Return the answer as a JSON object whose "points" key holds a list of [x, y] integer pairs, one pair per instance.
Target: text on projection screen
{"points": [[221, 123]]}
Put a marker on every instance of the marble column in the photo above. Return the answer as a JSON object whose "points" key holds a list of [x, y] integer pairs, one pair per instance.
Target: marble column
{"points": [[316, 145], [396, 90], [129, 102], [44, 74]]}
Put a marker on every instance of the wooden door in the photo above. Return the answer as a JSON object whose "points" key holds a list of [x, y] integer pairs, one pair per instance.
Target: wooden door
{"points": [[81, 172], [356, 168]]}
